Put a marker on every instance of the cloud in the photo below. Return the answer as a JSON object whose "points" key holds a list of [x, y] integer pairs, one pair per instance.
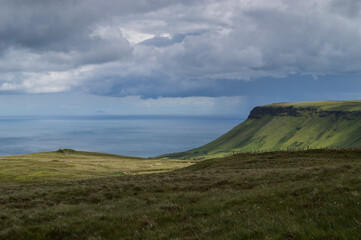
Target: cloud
{"points": [[346, 8], [164, 48]]}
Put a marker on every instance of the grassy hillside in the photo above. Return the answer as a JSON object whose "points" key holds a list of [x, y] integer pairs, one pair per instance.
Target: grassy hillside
{"points": [[70, 164], [354, 105], [288, 125], [280, 195]]}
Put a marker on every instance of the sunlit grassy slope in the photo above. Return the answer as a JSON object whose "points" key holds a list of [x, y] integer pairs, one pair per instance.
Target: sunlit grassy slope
{"points": [[70, 164], [313, 194], [288, 125], [354, 105]]}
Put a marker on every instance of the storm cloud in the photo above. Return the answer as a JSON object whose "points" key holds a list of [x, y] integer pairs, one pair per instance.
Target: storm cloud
{"points": [[164, 48]]}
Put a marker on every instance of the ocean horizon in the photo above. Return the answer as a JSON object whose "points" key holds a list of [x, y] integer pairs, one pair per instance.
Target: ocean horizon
{"points": [[133, 135]]}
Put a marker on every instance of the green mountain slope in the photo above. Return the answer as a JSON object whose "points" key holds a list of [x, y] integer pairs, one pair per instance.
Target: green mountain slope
{"points": [[289, 125]]}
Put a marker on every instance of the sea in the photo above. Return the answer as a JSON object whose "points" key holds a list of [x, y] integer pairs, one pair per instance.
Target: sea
{"points": [[143, 136]]}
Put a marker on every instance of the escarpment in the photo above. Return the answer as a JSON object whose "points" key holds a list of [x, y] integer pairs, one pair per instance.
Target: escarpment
{"points": [[261, 111], [258, 112], [280, 126]]}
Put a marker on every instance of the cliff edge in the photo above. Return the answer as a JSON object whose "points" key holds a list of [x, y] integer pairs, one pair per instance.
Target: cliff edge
{"points": [[282, 126]]}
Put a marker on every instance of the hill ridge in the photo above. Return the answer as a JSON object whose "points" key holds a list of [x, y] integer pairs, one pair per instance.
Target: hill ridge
{"points": [[288, 125], [260, 111]]}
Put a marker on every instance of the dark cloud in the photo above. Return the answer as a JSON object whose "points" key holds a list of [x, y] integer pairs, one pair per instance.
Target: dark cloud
{"points": [[164, 48], [63, 25], [160, 41], [66, 33], [347, 8]]}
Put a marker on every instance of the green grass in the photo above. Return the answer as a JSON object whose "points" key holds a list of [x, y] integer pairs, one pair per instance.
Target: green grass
{"points": [[70, 164], [279, 195], [333, 124], [354, 105]]}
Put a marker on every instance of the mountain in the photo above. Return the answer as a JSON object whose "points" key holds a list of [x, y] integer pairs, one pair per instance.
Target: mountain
{"points": [[282, 126]]}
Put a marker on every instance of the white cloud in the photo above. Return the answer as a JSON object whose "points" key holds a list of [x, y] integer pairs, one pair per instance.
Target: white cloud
{"points": [[45, 82], [135, 37]]}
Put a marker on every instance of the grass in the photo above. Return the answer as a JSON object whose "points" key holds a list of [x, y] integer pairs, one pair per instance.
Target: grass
{"points": [[335, 124], [280, 195], [354, 105], [70, 164]]}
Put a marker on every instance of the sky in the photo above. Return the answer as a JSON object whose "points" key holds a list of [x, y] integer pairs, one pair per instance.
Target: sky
{"points": [[205, 57]]}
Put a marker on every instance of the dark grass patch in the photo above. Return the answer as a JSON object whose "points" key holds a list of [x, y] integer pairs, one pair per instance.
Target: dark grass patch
{"points": [[302, 195]]}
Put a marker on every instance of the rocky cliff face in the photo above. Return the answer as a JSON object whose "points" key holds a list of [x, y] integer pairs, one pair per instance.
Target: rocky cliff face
{"points": [[261, 111]]}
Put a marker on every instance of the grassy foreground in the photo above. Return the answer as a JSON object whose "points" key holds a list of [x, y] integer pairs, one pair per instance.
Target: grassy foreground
{"points": [[280, 195], [70, 164]]}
